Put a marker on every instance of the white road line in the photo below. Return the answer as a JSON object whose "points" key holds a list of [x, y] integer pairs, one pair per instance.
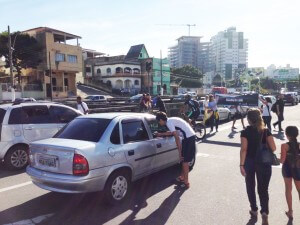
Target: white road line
{"points": [[15, 186]]}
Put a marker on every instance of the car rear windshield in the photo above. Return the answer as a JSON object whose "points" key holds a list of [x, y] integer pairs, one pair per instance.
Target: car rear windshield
{"points": [[84, 129], [2, 114]]}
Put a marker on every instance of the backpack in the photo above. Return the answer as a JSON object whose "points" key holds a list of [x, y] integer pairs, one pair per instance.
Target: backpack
{"points": [[274, 107]]}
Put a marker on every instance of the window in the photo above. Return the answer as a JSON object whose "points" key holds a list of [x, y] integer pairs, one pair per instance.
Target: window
{"points": [[54, 82], [98, 71], [108, 70], [136, 82], [59, 57], [88, 69], [155, 127], [84, 129], [36, 115], [16, 115], [134, 131], [2, 114], [115, 135], [72, 58], [66, 81], [61, 114]]}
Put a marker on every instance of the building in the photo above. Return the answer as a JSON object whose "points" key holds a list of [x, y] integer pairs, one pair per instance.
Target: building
{"points": [[186, 52], [286, 73], [228, 53], [62, 55]]}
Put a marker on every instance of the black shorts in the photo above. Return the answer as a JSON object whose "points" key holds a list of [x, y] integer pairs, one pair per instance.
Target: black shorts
{"points": [[238, 115], [289, 172], [195, 115], [188, 149]]}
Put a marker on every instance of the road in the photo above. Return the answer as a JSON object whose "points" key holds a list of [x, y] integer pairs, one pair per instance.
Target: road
{"points": [[217, 194]]}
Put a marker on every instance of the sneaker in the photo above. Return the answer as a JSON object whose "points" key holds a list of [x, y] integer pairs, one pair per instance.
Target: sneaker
{"points": [[264, 218], [233, 128]]}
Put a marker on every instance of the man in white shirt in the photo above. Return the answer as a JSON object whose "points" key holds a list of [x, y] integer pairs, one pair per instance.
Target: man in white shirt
{"points": [[187, 148], [82, 106]]}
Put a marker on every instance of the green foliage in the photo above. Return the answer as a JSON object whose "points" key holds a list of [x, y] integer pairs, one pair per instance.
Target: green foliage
{"points": [[26, 51], [187, 76], [188, 71]]}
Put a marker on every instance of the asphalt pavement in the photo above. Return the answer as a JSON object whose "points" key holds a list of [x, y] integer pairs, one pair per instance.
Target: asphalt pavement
{"points": [[217, 194]]}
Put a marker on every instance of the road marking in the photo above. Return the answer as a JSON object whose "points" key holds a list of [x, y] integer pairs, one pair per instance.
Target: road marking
{"points": [[15, 186]]}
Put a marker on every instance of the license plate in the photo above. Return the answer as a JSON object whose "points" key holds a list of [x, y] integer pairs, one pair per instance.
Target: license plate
{"points": [[47, 161]]}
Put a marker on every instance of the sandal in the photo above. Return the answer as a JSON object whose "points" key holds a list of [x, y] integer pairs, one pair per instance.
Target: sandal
{"points": [[185, 185], [180, 179], [289, 214]]}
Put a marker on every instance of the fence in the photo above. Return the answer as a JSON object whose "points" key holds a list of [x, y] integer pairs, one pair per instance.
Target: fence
{"points": [[22, 91]]}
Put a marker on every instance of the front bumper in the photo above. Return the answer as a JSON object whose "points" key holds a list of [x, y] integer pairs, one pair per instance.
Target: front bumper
{"points": [[68, 183]]}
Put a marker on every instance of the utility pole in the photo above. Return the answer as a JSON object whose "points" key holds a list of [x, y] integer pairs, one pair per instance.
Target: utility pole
{"points": [[13, 96], [161, 76], [50, 75]]}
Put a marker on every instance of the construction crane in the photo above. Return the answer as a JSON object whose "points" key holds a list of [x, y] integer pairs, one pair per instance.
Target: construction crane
{"points": [[189, 26]]}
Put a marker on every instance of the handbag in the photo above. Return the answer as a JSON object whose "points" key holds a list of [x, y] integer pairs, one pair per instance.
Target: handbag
{"points": [[264, 154]]}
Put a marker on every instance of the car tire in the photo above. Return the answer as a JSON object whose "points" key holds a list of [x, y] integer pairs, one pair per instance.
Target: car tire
{"points": [[17, 157], [117, 188]]}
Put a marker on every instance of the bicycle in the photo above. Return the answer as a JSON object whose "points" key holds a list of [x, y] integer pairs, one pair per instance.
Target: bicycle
{"points": [[199, 128]]}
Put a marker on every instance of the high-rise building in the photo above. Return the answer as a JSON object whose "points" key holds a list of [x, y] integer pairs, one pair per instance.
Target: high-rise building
{"points": [[229, 53], [186, 52]]}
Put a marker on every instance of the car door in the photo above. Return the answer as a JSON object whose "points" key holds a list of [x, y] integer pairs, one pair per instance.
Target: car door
{"points": [[37, 123], [138, 148], [61, 115], [166, 148]]}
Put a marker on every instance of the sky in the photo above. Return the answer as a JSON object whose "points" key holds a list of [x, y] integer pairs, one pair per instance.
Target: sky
{"points": [[272, 27]]}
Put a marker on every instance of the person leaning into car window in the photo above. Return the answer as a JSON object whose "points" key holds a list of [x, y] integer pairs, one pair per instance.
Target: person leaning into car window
{"points": [[188, 146]]}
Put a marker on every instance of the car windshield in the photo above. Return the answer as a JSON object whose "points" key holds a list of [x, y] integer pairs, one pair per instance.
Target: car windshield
{"points": [[2, 114], [84, 129]]}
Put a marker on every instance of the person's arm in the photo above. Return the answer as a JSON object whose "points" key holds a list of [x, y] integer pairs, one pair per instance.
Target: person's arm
{"points": [[284, 148], [263, 101], [243, 153], [271, 143]]}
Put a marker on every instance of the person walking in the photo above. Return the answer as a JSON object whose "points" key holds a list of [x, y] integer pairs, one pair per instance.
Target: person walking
{"points": [[279, 112], [186, 149], [251, 139], [238, 115], [82, 106], [142, 104], [290, 158], [266, 112], [213, 110]]}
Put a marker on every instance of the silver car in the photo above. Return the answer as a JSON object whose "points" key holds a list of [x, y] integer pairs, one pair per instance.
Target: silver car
{"points": [[101, 152]]}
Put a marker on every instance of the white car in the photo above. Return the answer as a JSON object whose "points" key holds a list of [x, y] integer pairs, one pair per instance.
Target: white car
{"points": [[101, 98], [23, 123], [224, 113]]}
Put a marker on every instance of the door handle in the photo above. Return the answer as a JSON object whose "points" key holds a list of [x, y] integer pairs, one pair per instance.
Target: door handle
{"points": [[28, 128], [131, 152], [158, 145]]}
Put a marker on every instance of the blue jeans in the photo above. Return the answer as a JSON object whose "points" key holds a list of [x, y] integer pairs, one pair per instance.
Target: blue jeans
{"points": [[263, 175]]}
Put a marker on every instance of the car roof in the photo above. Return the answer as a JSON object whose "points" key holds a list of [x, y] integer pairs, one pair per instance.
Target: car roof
{"points": [[117, 114]]}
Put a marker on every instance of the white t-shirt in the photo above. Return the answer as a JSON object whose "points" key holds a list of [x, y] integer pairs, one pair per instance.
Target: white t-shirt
{"points": [[175, 123], [82, 107], [267, 112], [205, 103]]}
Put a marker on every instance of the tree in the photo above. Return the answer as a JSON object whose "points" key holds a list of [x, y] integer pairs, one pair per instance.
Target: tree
{"points": [[217, 81], [187, 76], [27, 51], [268, 83]]}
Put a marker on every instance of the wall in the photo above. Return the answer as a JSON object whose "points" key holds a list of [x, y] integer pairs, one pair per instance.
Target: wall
{"points": [[156, 74], [113, 68]]}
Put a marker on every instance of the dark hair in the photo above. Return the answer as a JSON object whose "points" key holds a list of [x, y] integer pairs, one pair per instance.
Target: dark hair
{"points": [[255, 119], [161, 116], [78, 98], [268, 99]]}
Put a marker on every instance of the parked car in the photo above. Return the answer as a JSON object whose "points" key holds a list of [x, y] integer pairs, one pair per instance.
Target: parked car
{"points": [[135, 98], [98, 98], [224, 113], [289, 98], [295, 95], [114, 150], [23, 123]]}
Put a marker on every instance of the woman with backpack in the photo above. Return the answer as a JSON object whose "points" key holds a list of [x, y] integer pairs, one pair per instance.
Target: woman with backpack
{"points": [[290, 158], [266, 112], [252, 138]]}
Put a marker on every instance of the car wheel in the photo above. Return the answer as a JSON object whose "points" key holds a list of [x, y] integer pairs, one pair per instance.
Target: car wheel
{"points": [[293, 103], [117, 188], [16, 158]]}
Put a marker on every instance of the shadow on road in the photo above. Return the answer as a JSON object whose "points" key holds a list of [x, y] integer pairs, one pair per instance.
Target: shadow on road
{"points": [[89, 209], [7, 173], [232, 134], [231, 144]]}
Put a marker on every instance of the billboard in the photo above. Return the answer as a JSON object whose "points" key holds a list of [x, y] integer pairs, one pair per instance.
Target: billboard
{"points": [[242, 99]]}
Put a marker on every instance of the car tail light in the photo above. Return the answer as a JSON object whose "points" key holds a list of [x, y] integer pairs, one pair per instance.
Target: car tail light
{"points": [[80, 165]]}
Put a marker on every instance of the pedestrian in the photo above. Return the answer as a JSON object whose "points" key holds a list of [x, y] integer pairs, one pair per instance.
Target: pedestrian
{"points": [[290, 158], [213, 111], [205, 103], [186, 149], [251, 139], [148, 102], [82, 106], [160, 104], [238, 115], [142, 105], [279, 112], [266, 112]]}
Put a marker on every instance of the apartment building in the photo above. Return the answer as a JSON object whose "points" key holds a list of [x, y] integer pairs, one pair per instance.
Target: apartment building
{"points": [[62, 56]]}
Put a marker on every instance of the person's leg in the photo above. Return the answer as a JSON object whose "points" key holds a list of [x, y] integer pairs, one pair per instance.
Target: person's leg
{"points": [[233, 122], [297, 184], [212, 122], [185, 171], [263, 176], [250, 184], [269, 123], [265, 120], [242, 120], [217, 122], [288, 193]]}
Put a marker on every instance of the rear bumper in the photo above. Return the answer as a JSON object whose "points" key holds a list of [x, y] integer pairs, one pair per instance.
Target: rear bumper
{"points": [[68, 183]]}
